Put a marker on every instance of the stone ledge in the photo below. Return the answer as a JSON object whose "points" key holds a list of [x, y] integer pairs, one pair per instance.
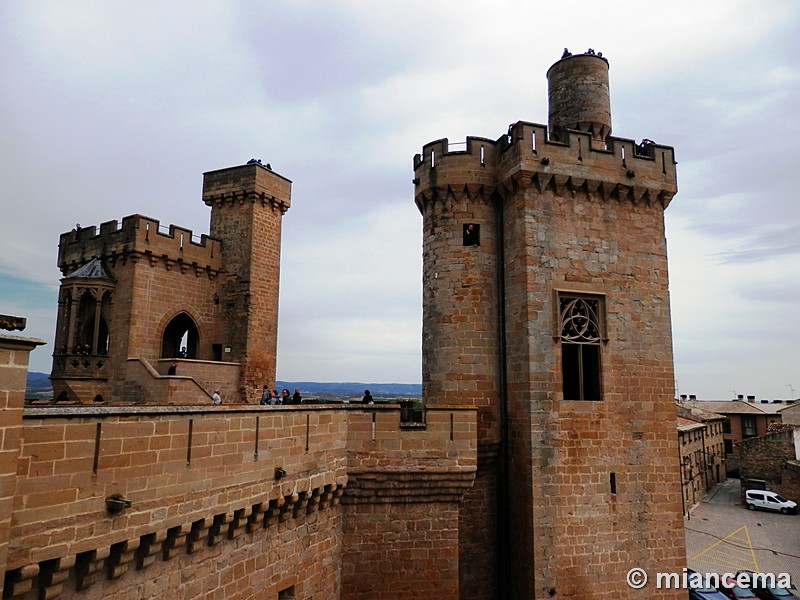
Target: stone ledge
{"points": [[403, 487], [88, 567]]}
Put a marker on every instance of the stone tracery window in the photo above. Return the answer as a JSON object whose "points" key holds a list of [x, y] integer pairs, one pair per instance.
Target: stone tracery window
{"points": [[581, 334]]}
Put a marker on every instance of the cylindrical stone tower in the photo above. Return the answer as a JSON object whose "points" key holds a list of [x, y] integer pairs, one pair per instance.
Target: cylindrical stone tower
{"points": [[579, 97], [460, 330]]}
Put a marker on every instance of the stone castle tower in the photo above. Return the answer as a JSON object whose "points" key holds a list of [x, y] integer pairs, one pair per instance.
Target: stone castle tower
{"points": [[136, 297], [546, 465], [546, 307]]}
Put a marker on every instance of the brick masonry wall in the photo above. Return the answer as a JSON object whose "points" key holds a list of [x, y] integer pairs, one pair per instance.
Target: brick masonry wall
{"points": [[765, 458], [580, 220], [14, 355], [157, 277], [580, 243], [401, 506], [400, 550], [204, 494], [478, 531]]}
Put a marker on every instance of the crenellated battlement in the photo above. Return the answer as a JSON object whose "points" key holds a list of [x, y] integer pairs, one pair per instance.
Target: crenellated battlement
{"points": [[252, 182], [138, 235], [527, 150]]}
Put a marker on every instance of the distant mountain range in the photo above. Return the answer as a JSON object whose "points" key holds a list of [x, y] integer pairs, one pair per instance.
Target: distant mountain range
{"points": [[38, 386], [353, 389]]}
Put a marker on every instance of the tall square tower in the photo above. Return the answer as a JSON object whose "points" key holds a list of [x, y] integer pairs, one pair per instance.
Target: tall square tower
{"points": [[546, 306]]}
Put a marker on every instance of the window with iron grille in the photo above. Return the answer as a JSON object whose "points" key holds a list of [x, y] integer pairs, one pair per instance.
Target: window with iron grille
{"points": [[581, 334]]}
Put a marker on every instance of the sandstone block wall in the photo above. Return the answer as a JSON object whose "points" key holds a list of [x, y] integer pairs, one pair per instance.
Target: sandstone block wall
{"points": [[604, 473], [209, 513], [583, 216], [578, 96], [157, 276], [769, 457], [14, 354], [400, 509]]}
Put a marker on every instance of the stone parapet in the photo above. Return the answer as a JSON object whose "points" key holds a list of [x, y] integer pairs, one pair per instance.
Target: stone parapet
{"points": [[105, 492], [620, 168], [14, 355], [252, 182], [137, 237]]}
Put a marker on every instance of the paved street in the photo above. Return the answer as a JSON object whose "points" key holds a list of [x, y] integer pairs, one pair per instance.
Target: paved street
{"points": [[723, 536]]}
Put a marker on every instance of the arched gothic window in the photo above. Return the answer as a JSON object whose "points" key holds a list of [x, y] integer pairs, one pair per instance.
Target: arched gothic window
{"points": [[581, 333], [181, 338]]}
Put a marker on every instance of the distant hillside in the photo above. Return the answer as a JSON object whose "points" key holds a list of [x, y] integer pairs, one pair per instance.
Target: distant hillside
{"points": [[353, 389], [39, 386]]}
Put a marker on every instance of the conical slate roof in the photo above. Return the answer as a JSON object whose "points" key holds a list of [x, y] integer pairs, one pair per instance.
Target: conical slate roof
{"points": [[94, 269]]}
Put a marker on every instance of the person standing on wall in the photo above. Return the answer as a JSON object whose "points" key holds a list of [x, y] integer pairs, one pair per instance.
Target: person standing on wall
{"points": [[216, 398]]}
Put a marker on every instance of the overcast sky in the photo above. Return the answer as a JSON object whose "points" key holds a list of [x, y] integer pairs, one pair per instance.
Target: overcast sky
{"points": [[113, 108]]}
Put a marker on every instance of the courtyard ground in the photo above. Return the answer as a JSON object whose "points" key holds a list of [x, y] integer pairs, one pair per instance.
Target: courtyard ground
{"points": [[722, 536]]}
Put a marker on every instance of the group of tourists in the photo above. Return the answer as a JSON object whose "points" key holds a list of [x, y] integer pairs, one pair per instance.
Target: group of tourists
{"points": [[271, 397]]}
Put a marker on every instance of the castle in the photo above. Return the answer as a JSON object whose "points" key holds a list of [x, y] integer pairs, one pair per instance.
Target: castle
{"points": [[546, 466]]}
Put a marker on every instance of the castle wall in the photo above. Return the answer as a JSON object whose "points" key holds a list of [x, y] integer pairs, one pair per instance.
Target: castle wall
{"points": [[138, 235], [770, 457], [401, 505], [157, 276], [581, 528], [208, 511], [14, 355], [482, 571]]}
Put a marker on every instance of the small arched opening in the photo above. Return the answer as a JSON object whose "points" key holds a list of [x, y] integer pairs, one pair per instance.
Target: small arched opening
{"points": [[181, 338]]}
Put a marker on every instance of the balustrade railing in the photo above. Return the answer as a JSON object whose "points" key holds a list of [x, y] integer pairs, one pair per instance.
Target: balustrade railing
{"points": [[79, 365]]}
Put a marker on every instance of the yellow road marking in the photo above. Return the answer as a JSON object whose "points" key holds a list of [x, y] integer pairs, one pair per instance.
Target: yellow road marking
{"points": [[737, 553]]}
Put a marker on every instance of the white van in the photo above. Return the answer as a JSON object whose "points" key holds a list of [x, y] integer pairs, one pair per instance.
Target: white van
{"points": [[769, 501]]}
